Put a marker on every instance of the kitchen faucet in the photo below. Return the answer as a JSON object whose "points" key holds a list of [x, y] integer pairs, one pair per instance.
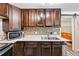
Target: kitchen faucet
{"points": [[48, 34]]}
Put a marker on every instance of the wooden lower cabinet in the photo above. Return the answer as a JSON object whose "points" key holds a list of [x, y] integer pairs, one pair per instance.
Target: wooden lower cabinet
{"points": [[37, 49], [31, 49], [46, 49], [30, 52], [57, 50], [18, 49]]}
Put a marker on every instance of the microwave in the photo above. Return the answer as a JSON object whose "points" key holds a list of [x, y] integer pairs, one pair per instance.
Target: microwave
{"points": [[14, 35]]}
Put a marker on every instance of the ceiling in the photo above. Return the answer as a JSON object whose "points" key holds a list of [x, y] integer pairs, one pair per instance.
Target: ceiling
{"points": [[65, 7]]}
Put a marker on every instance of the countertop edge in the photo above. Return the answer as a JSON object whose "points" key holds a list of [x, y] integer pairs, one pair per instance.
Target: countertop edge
{"points": [[31, 38]]}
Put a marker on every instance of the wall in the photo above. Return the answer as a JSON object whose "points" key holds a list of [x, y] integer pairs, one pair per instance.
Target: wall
{"points": [[40, 30], [1, 28], [66, 23]]}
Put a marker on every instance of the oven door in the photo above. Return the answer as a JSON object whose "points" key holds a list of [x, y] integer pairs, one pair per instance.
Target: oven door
{"points": [[3, 45]]}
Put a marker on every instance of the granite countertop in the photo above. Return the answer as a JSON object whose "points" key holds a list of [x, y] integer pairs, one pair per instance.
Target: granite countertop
{"points": [[34, 38]]}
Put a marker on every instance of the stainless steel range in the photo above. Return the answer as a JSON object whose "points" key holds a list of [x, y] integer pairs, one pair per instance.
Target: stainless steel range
{"points": [[4, 45]]}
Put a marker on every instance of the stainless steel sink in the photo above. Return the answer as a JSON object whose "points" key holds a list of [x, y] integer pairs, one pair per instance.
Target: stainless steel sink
{"points": [[50, 38]]}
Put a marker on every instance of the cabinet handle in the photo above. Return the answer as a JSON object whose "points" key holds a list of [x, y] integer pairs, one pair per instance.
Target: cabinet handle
{"points": [[57, 45], [46, 45]]}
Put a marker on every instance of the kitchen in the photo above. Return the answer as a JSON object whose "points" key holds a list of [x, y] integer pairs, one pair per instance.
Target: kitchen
{"points": [[39, 29]]}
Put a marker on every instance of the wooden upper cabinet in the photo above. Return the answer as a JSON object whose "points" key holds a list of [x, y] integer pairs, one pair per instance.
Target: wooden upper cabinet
{"points": [[10, 15], [3, 9], [6, 10], [25, 17], [19, 18], [57, 17], [16, 18], [14, 15], [40, 17], [49, 16], [32, 17]]}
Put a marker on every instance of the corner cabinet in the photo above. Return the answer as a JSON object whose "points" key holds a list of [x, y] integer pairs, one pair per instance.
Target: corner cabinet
{"points": [[14, 15], [18, 49], [13, 20]]}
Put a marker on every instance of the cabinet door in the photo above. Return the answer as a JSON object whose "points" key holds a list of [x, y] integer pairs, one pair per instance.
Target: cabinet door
{"points": [[0, 8], [16, 18], [49, 20], [18, 49], [25, 17], [5, 25], [57, 50], [46, 49], [40, 17], [10, 15], [19, 18], [57, 17], [30, 49], [3, 9], [32, 17]]}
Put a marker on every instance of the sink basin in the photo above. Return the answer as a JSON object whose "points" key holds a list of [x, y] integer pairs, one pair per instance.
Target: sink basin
{"points": [[50, 38]]}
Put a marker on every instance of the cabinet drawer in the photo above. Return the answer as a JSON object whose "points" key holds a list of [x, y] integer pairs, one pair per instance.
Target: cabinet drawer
{"points": [[31, 44], [46, 44], [58, 43]]}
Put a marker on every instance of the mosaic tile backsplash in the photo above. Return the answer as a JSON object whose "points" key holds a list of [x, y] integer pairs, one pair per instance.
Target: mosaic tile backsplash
{"points": [[40, 30]]}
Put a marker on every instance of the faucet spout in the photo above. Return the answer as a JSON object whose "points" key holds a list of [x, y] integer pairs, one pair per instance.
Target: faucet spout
{"points": [[48, 34]]}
